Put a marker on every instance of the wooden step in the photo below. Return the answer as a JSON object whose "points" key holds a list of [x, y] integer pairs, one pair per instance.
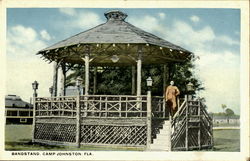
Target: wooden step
{"points": [[162, 140], [193, 127]]}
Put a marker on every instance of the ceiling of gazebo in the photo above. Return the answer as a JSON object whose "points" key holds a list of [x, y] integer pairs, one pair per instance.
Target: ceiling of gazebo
{"points": [[115, 37]]}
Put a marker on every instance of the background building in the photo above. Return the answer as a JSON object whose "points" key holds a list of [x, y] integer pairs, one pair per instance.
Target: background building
{"points": [[18, 111]]}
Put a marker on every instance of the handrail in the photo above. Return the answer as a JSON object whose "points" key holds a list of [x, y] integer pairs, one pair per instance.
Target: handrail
{"points": [[195, 109], [179, 109]]}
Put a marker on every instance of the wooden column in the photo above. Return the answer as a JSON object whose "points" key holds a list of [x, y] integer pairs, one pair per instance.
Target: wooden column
{"points": [[63, 78], [86, 59], [55, 77], [78, 123], [133, 80], [164, 88], [87, 70], [165, 79], [139, 65], [95, 80], [138, 91], [149, 119]]}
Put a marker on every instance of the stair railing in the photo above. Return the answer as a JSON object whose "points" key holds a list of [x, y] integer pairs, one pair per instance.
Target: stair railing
{"points": [[191, 110]]}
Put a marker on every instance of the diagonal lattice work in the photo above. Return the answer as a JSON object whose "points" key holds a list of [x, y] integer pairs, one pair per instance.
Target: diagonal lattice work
{"points": [[55, 132], [192, 127], [109, 134]]}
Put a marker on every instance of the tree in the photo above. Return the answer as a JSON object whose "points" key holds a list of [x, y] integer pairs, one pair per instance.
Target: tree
{"points": [[117, 80], [229, 112], [223, 106]]}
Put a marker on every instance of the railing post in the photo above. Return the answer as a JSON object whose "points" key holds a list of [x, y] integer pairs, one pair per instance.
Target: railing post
{"points": [[149, 119], [34, 117], [164, 107], [186, 138], [78, 121], [120, 106], [199, 132]]}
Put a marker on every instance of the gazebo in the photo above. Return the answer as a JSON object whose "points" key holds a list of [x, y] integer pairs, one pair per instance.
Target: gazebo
{"points": [[111, 119]]}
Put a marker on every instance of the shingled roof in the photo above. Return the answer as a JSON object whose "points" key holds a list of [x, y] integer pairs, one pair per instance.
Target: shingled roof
{"points": [[13, 101], [118, 37]]}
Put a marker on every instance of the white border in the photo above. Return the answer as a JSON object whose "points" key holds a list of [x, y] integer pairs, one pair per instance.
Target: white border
{"points": [[109, 155]]}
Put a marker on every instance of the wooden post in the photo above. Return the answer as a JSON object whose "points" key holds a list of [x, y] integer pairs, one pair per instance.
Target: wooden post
{"points": [[55, 75], [86, 79], [186, 138], [149, 119], [139, 65], [133, 80], [212, 137], [199, 132], [63, 78], [106, 106], [95, 80], [120, 106], [164, 78], [87, 71], [78, 121], [164, 88], [34, 118]]}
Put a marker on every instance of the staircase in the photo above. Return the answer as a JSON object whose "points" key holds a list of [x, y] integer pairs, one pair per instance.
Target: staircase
{"points": [[162, 141], [191, 127]]}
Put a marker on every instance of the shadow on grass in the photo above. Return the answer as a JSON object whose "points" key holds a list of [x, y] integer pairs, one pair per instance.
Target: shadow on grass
{"points": [[226, 144], [25, 144]]}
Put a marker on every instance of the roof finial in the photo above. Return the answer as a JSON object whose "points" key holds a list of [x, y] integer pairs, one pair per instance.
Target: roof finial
{"points": [[115, 15]]}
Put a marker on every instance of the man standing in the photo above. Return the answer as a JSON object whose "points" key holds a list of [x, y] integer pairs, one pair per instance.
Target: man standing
{"points": [[171, 93]]}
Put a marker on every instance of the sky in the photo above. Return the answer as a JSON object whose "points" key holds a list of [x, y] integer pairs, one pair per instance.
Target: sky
{"points": [[213, 35]]}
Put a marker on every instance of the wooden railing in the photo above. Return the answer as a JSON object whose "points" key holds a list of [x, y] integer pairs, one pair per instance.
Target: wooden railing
{"points": [[101, 106], [92, 106], [123, 120], [55, 107], [191, 127], [158, 107]]}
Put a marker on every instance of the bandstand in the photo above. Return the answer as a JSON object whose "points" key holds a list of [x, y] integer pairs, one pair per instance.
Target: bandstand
{"points": [[118, 120]]}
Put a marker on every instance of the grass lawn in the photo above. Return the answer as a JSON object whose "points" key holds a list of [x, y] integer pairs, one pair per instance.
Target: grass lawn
{"points": [[18, 137], [227, 140]]}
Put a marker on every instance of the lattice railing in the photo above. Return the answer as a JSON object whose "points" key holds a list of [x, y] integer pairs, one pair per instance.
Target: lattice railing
{"points": [[65, 133], [113, 106], [55, 107], [108, 134]]}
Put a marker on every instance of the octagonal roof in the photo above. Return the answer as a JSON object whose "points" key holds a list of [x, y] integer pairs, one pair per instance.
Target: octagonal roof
{"points": [[115, 37]]}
